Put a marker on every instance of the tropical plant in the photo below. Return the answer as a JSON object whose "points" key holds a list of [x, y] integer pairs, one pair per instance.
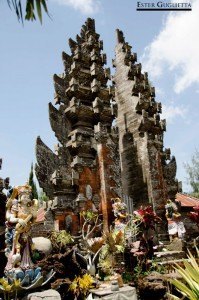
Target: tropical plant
{"points": [[91, 223], [189, 286], [146, 217], [127, 277], [32, 7], [89, 215], [60, 240], [113, 243], [80, 285], [9, 289], [132, 229], [90, 245]]}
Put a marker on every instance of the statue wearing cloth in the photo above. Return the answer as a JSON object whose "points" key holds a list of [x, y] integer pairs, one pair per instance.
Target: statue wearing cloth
{"points": [[20, 215], [175, 224]]}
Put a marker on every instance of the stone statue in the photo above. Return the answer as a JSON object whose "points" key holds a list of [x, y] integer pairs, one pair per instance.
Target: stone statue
{"points": [[120, 214], [175, 225], [21, 212]]}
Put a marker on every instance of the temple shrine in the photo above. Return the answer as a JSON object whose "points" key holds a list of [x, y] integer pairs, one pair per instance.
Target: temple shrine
{"points": [[110, 136]]}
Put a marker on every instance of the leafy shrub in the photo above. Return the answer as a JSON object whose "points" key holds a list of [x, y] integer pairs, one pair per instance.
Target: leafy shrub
{"points": [[60, 240], [190, 275]]}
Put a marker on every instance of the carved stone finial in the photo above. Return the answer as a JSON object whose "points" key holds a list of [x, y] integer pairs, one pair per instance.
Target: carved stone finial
{"points": [[90, 23], [120, 36], [72, 44]]}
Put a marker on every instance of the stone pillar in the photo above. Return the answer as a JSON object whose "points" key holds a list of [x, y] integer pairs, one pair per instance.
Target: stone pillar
{"points": [[148, 173], [101, 138]]}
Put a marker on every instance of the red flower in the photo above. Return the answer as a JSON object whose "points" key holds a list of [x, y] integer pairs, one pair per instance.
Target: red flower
{"points": [[194, 215]]}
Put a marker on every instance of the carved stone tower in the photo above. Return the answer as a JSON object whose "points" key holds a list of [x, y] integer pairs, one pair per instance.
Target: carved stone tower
{"points": [[84, 171], [148, 172], [94, 160]]}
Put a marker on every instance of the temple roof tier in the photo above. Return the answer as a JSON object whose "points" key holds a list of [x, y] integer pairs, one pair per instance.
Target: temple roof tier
{"points": [[59, 124], [79, 162], [149, 105], [61, 85], [46, 164], [67, 61], [154, 124], [77, 111]]}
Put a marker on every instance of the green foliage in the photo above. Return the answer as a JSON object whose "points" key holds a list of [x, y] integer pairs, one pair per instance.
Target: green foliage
{"points": [[189, 287], [60, 240], [138, 271], [32, 8], [127, 277], [32, 183], [193, 172], [35, 255], [155, 266], [132, 228], [114, 243], [43, 196], [89, 215], [196, 195], [144, 268], [106, 261]]}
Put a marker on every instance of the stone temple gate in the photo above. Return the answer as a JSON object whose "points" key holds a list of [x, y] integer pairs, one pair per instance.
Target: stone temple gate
{"points": [[97, 159]]}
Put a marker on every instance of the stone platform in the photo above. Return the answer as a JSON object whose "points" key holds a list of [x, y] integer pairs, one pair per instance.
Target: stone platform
{"points": [[105, 293], [169, 255], [46, 295]]}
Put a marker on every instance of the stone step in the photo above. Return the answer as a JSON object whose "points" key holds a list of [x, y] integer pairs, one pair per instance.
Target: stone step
{"points": [[163, 237], [169, 255]]}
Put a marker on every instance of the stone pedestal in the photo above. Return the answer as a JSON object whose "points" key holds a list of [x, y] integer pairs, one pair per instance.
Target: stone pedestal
{"points": [[124, 293], [46, 295]]}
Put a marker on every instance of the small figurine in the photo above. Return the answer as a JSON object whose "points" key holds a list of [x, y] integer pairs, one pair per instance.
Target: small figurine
{"points": [[119, 210], [175, 225]]}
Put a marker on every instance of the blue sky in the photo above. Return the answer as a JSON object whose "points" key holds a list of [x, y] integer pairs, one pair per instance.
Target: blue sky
{"points": [[166, 43]]}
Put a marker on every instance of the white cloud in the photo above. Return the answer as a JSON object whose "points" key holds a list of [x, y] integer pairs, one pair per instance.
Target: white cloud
{"points": [[171, 112], [84, 6], [176, 48]]}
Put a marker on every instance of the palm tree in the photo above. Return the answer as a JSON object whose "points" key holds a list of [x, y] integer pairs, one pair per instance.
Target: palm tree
{"points": [[32, 7]]}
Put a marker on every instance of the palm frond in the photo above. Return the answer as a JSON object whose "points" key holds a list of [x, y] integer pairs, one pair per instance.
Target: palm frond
{"points": [[32, 7]]}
